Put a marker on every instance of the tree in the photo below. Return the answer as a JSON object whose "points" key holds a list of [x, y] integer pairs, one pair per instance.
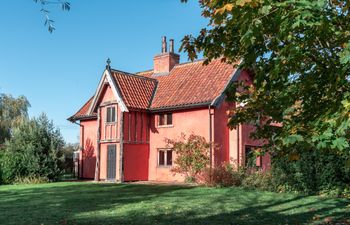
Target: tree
{"points": [[65, 6], [34, 150], [12, 112], [192, 155], [298, 52]]}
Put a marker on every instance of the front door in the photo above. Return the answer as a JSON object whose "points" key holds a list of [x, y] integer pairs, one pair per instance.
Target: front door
{"points": [[111, 162]]}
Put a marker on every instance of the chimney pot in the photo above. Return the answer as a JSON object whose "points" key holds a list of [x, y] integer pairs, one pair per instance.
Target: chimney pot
{"points": [[164, 44], [171, 46]]}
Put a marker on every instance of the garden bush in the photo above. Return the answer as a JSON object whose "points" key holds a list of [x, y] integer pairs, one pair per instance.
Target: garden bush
{"points": [[262, 180], [31, 179], [33, 151], [192, 155], [224, 175], [312, 172], [1, 180]]}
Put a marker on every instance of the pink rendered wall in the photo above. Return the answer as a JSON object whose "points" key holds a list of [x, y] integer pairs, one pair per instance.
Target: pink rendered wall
{"points": [[88, 144], [187, 122], [221, 133]]}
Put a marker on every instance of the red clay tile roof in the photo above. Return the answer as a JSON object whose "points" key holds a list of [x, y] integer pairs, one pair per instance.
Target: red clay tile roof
{"points": [[83, 111], [190, 84], [137, 91], [187, 84]]}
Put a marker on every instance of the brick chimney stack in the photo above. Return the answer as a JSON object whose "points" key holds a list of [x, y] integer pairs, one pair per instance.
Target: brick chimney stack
{"points": [[164, 62]]}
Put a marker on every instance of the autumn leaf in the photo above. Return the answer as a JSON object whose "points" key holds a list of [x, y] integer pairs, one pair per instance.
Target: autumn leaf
{"points": [[227, 7], [294, 157], [243, 2]]}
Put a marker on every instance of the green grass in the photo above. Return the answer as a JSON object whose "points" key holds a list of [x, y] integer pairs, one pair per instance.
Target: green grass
{"points": [[97, 203]]}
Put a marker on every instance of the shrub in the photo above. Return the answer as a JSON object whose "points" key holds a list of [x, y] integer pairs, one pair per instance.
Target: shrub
{"points": [[312, 172], [1, 180], [192, 155], [262, 180], [31, 179], [224, 175], [32, 151]]}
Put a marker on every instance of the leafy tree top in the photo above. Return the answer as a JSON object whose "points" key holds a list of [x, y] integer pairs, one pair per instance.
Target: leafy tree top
{"points": [[298, 52]]}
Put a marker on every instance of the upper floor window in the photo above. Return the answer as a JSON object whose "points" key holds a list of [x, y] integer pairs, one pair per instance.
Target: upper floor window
{"points": [[165, 119], [110, 114]]}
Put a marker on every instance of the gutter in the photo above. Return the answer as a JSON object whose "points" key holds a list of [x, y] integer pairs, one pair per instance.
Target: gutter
{"points": [[180, 107]]}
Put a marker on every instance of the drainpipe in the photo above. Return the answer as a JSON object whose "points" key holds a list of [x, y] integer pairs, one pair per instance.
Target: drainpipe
{"points": [[210, 141], [80, 173]]}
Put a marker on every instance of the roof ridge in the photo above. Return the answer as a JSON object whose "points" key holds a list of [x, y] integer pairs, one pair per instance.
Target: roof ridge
{"points": [[190, 62], [144, 71], [133, 75], [180, 64]]}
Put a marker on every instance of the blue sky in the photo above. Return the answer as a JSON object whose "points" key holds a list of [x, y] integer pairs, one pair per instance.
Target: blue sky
{"points": [[58, 72]]}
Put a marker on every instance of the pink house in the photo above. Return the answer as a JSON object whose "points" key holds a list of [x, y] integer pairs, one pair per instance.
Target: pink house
{"points": [[124, 125]]}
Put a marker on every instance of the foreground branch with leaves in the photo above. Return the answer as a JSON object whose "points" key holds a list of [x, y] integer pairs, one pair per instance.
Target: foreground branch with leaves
{"points": [[298, 52], [49, 23]]}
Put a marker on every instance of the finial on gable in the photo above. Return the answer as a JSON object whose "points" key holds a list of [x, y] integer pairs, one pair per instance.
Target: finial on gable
{"points": [[108, 66]]}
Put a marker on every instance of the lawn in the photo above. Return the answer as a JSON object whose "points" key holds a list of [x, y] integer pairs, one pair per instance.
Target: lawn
{"points": [[101, 203]]}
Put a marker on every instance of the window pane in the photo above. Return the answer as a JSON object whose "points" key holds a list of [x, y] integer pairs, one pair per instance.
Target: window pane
{"points": [[161, 158], [169, 157], [169, 119], [161, 120], [113, 114], [108, 114]]}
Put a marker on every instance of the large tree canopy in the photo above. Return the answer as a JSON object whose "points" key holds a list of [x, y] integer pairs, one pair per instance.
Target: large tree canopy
{"points": [[298, 52], [12, 112]]}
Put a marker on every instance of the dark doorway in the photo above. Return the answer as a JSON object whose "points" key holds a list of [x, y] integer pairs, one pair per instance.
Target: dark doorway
{"points": [[111, 162]]}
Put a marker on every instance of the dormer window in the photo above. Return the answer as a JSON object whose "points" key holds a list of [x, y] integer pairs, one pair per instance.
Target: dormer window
{"points": [[165, 119], [111, 115]]}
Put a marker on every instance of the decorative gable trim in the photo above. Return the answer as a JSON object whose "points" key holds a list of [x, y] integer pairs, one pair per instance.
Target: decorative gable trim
{"points": [[108, 77]]}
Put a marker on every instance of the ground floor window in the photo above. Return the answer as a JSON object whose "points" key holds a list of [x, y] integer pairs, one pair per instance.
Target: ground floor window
{"points": [[165, 157], [252, 159]]}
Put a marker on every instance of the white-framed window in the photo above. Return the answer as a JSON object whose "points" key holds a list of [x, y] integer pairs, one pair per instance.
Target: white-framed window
{"points": [[165, 157], [165, 119], [111, 116]]}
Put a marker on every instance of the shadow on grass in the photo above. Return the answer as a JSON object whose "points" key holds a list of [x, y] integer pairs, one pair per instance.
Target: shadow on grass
{"points": [[91, 203]]}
